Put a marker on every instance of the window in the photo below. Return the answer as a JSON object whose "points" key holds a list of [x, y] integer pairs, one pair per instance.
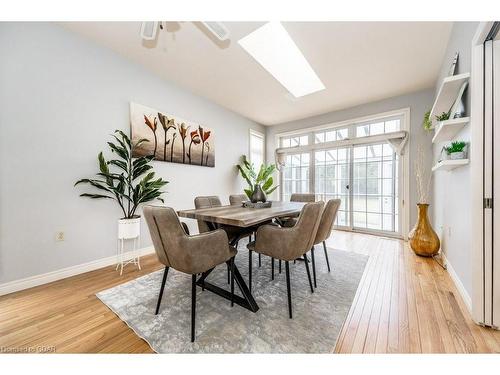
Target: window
{"points": [[295, 175], [301, 140], [331, 135], [256, 148], [364, 176], [375, 128]]}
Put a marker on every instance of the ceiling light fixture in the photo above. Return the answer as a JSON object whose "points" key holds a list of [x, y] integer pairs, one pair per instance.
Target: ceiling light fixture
{"points": [[275, 50]]}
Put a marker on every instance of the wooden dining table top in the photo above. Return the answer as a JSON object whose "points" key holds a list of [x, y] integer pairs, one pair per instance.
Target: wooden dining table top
{"points": [[242, 216]]}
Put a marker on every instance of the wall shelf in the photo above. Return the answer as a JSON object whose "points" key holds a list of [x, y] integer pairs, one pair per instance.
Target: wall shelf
{"points": [[447, 94], [448, 165], [448, 129]]}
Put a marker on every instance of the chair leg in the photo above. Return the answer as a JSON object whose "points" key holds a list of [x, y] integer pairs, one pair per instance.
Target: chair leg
{"points": [[308, 273], [232, 281], [288, 289], [314, 266], [279, 266], [193, 306], [260, 260], [228, 274], [250, 270], [165, 273], [272, 268], [326, 256]]}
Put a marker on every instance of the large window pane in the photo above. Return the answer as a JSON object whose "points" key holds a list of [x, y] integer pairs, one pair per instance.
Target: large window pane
{"points": [[295, 175]]}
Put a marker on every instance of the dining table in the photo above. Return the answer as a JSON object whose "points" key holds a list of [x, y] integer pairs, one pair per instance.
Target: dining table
{"points": [[245, 219]]}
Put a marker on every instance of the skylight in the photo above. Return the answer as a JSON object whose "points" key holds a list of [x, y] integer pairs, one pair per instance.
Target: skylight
{"points": [[274, 49]]}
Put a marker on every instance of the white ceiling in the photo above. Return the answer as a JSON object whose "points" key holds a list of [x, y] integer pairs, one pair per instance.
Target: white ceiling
{"points": [[358, 62]]}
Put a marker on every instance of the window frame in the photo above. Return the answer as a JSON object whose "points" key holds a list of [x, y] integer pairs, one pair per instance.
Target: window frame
{"points": [[256, 133], [404, 177]]}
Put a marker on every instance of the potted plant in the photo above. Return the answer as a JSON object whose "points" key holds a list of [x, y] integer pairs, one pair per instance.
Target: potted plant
{"points": [[456, 150], [442, 117], [427, 124], [125, 184], [259, 183]]}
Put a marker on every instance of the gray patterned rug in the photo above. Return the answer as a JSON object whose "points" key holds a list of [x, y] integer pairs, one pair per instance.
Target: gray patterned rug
{"points": [[315, 327]]}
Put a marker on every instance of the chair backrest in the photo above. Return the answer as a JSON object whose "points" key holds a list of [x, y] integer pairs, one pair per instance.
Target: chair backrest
{"points": [[166, 232], [206, 202], [237, 199], [327, 220], [303, 197], [307, 226]]}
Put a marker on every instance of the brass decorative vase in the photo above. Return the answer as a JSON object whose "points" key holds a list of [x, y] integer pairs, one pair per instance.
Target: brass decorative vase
{"points": [[423, 240]]}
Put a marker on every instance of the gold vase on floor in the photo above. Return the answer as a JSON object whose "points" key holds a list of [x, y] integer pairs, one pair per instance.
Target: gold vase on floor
{"points": [[423, 240]]}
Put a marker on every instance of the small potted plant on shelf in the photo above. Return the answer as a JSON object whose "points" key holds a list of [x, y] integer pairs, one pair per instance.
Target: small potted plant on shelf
{"points": [[124, 184], [259, 183], [456, 150], [442, 117]]}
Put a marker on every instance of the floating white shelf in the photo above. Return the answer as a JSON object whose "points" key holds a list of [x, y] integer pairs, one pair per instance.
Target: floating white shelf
{"points": [[447, 94], [448, 165], [448, 129]]}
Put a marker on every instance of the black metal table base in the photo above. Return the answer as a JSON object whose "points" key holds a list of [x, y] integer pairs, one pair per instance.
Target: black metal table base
{"points": [[247, 301]]}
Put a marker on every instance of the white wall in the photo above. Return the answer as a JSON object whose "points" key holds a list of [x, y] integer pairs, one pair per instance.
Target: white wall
{"points": [[60, 98], [452, 190], [418, 102]]}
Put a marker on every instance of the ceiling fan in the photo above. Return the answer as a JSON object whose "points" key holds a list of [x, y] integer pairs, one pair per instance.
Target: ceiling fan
{"points": [[149, 30]]}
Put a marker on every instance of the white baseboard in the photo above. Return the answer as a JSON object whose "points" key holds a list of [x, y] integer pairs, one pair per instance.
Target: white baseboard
{"points": [[32, 281], [458, 283]]}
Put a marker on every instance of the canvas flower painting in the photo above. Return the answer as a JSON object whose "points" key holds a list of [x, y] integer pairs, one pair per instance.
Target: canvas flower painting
{"points": [[171, 138]]}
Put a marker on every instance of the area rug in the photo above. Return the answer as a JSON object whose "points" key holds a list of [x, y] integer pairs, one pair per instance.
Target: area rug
{"points": [[315, 327]]}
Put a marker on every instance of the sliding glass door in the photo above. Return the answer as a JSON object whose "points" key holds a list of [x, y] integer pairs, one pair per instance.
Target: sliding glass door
{"points": [[374, 189], [365, 179], [332, 171]]}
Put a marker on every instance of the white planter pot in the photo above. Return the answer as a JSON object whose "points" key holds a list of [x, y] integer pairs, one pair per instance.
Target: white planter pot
{"points": [[129, 228], [457, 155]]}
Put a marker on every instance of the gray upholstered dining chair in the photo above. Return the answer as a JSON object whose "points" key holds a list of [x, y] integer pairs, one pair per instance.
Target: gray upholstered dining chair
{"points": [[233, 233], [182, 252], [290, 221], [324, 229], [290, 243], [303, 197], [237, 199]]}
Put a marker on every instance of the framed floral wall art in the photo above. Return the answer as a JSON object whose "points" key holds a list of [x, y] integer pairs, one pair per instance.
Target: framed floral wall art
{"points": [[170, 138]]}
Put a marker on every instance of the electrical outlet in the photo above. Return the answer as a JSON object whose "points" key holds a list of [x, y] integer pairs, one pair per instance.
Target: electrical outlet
{"points": [[60, 236]]}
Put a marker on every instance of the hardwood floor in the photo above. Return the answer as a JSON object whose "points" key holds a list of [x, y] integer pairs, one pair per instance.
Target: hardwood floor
{"points": [[404, 304]]}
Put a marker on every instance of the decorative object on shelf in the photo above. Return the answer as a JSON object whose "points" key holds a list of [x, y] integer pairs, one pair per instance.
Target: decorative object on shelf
{"points": [[427, 124], [423, 239], [456, 150], [259, 183], [453, 66], [181, 141], [258, 204], [458, 108], [443, 116], [450, 90], [123, 186]]}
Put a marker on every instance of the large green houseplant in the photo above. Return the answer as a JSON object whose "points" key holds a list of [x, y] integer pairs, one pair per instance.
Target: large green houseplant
{"points": [[261, 180], [131, 182]]}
